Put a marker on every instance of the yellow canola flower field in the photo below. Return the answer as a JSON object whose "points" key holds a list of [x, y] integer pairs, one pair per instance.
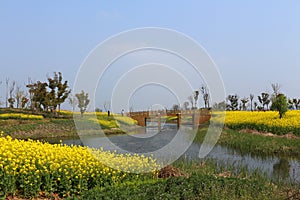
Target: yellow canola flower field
{"points": [[20, 116], [264, 121], [30, 167]]}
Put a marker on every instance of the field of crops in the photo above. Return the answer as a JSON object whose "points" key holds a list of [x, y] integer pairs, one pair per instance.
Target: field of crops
{"points": [[20, 116], [264, 121], [28, 168]]}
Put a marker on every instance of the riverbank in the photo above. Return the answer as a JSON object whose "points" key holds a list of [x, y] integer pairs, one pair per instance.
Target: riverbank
{"points": [[194, 180], [250, 142], [25, 125]]}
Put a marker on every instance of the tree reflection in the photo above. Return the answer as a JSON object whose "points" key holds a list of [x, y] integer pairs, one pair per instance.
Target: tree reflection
{"points": [[281, 169]]}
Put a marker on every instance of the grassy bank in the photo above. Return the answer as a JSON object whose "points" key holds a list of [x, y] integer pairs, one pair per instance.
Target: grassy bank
{"points": [[255, 143], [36, 129], [203, 180], [24, 124]]}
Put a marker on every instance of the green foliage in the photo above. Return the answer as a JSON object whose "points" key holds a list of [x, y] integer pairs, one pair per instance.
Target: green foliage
{"points": [[48, 95], [38, 92], [280, 104], [59, 90], [197, 186]]}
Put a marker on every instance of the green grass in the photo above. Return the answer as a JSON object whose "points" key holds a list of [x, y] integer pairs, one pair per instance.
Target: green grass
{"points": [[205, 180], [198, 186], [60, 126], [255, 143], [36, 129]]}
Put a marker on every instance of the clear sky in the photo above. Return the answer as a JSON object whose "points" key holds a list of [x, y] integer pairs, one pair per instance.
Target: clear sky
{"points": [[253, 43]]}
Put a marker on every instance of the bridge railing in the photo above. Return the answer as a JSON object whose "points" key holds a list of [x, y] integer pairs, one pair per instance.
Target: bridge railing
{"points": [[171, 112]]}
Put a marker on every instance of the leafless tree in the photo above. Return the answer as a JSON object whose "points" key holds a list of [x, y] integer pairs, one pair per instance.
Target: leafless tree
{"points": [[186, 105], [251, 101], [264, 100], [19, 94], [255, 105], [196, 95], [6, 93], [191, 100], [106, 106], [0, 96], [131, 108], [11, 99], [233, 100], [31, 93], [73, 101], [276, 88], [244, 102], [205, 95], [175, 107]]}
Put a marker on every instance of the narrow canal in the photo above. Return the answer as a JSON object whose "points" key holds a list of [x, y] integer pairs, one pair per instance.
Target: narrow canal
{"points": [[276, 167]]}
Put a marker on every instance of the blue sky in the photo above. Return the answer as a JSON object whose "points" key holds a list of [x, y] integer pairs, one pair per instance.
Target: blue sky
{"points": [[253, 43]]}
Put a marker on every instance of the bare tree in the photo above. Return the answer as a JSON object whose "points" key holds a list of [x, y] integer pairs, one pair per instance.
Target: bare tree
{"points": [[294, 103], [219, 106], [264, 100], [131, 108], [191, 100], [31, 94], [6, 93], [276, 88], [196, 95], [255, 105], [106, 106], [205, 95], [233, 99], [251, 101], [186, 105], [0, 96], [11, 99], [19, 94], [244, 102], [175, 107], [72, 101]]}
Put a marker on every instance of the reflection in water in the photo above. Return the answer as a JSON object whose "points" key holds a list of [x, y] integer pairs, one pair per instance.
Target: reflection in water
{"points": [[281, 169]]}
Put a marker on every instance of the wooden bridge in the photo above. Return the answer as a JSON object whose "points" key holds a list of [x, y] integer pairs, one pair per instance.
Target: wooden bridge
{"points": [[197, 116]]}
